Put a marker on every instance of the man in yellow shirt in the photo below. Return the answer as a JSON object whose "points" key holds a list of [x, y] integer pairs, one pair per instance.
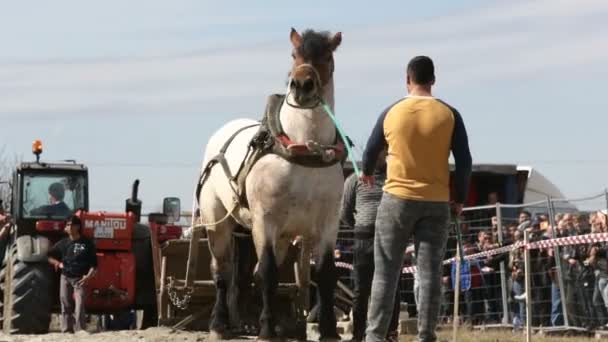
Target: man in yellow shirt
{"points": [[420, 131]]}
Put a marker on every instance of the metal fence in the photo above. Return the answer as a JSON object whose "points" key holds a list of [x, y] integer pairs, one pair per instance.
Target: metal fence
{"points": [[495, 274]]}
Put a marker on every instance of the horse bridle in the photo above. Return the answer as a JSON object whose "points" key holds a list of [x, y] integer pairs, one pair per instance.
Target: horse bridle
{"points": [[317, 82]]}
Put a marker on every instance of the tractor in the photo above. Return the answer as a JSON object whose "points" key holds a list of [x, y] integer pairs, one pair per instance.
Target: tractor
{"points": [[43, 196]]}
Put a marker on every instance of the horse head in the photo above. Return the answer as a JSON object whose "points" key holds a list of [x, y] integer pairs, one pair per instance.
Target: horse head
{"points": [[313, 64]]}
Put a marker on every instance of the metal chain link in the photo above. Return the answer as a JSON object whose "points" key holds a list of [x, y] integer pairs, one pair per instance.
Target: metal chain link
{"points": [[174, 298]]}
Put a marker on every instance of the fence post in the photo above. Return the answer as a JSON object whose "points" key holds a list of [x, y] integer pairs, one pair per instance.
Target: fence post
{"points": [[503, 275], [558, 262], [528, 288]]}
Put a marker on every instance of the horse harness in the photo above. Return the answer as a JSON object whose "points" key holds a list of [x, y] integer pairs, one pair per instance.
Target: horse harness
{"points": [[271, 139]]}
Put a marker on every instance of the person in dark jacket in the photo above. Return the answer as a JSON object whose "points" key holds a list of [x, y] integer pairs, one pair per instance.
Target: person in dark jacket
{"points": [[359, 207], [57, 208], [76, 257]]}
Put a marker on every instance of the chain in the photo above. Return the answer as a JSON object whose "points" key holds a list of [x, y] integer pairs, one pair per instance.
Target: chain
{"points": [[173, 297]]}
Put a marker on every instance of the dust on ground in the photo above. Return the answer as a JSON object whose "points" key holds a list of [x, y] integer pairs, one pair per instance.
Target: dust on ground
{"points": [[168, 334], [148, 335]]}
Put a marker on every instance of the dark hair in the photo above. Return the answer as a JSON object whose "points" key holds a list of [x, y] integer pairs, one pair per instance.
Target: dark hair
{"points": [[421, 70], [57, 190], [526, 212], [75, 220]]}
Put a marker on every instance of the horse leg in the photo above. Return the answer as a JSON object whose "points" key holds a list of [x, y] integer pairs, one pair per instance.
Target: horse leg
{"points": [[220, 246], [271, 253], [327, 279]]}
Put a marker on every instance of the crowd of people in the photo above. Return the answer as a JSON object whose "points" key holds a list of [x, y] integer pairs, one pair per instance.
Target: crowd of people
{"points": [[584, 270]]}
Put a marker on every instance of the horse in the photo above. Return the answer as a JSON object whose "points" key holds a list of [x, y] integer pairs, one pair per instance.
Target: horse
{"points": [[282, 195]]}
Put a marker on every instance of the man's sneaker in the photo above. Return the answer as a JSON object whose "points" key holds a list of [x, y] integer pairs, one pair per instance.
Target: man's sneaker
{"points": [[521, 297]]}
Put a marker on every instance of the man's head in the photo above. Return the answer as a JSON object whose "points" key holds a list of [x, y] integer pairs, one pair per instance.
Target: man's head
{"points": [[73, 227], [420, 73], [483, 236], [569, 220], [494, 222], [524, 216], [56, 192]]}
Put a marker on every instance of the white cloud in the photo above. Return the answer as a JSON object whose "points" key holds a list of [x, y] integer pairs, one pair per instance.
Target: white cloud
{"points": [[505, 40]]}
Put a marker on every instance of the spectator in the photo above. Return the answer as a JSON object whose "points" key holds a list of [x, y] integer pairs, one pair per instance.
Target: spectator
{"points": [[516, 265], [75, 256], [359, 209]]}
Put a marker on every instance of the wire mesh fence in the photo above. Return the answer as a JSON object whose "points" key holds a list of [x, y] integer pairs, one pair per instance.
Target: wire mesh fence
{"points": [[493, 285]]}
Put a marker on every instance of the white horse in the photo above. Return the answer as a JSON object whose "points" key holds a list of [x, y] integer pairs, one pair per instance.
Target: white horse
{"points": [[284, 198]]}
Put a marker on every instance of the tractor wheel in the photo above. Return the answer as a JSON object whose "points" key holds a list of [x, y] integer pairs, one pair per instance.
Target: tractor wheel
{"points": [[145, 286], [27, 295]]}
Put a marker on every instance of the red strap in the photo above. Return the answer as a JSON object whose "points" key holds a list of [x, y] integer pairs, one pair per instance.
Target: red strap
{"points": [[303, 149]]}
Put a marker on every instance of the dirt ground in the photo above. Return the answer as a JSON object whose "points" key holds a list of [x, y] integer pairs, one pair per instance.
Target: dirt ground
{"points": [[166, 334]]}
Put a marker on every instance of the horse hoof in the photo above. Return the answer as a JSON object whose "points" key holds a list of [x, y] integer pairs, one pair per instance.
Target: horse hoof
{"points": [[217, 336], [336, 338]]}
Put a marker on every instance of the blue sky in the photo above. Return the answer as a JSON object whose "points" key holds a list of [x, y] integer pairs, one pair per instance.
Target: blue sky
{"points": [[134, 89]]}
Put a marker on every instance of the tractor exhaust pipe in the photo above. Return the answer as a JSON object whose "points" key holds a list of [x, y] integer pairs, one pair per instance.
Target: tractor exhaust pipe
{"points": [[135, 190], [133, 204]]}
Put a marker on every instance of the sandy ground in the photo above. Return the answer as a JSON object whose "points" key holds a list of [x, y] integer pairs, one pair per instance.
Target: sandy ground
{"points": [[166, 334], [161, 334], [148, 335]]}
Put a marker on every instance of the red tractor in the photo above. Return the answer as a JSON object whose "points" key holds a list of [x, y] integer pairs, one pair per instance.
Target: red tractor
{"points": [[43, 196]]}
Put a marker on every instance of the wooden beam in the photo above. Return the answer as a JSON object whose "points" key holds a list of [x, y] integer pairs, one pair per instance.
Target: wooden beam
{"points": [[163, 303], [193, 255]]}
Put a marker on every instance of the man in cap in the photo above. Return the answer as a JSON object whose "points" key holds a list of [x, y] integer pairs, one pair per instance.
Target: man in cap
{"points": [[76, 257]]}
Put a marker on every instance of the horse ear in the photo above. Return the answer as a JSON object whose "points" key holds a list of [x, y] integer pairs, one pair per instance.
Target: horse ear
{"points": [[295, 37], [336, 40]]}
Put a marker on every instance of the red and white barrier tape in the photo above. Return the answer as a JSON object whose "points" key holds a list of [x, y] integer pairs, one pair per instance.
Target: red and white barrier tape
{"points": [[569, 240], [563, 241]]}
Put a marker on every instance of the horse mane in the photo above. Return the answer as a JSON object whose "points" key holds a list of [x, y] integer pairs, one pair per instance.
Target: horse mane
{"points": [[314, 44]]}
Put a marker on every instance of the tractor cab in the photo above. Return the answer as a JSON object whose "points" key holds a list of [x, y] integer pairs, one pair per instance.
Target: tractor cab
{"points": [[45, 194]]}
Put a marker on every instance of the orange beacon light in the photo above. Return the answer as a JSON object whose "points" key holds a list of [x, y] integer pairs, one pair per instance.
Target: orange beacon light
{"points": [[37, 149]]}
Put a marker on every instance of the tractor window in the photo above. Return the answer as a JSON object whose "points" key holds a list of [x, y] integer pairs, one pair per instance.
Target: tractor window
{"points": [[52, 196]]}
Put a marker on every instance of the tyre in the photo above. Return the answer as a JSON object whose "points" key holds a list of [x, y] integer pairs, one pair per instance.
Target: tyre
{"points": [[27, 300], [145, 286]]}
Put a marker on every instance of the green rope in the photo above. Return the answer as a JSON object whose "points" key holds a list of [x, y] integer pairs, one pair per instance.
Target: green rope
{"points": [[346, 142]]}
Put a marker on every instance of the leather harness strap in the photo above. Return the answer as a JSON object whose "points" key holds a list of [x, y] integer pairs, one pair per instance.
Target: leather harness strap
{"points": [[271, 138]]}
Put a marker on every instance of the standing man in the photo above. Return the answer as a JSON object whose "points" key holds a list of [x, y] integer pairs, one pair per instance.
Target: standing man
{"points": [[419, 131], [359, 207], [75, 256]]}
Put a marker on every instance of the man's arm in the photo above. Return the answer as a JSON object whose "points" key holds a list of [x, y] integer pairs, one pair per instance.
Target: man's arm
{"points": [[462, 159], [349, 198], [92, 259], [375, 144], [56, 253]]}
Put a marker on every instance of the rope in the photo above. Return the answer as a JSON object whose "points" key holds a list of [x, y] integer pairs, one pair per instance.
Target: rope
{"points": [[202, 225], [348, 149]]}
